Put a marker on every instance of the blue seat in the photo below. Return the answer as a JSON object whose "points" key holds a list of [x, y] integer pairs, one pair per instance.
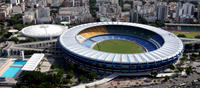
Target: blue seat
{"points": [[88, 43]]}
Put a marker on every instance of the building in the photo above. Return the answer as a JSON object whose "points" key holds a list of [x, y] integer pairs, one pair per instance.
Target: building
{"points": [[110, 10], [43, 31], [16, 10], [162, 12], [15, 2], [5, 11], [167, 47], [127, 6], [188, 9], [75, 14], [102, 10], [56, 3], [43, 15], [29, 16], [185, 13], [133, 16], [125, 17]]}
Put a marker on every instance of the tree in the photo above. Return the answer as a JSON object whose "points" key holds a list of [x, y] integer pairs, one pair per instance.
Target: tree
{"points": [[70, 74], [81, 78], [92, 76], [196, 46], [154, 74], [171, 0], [198, 79], [171, 66], [188, 70], [188, 47], [181, 35], [192, 59], [7, 1], [82, 70], [15, 39], [18, 26], [159, 23], [194, 2], [192, 82], [15, 19], [184, 58], [143, 2], [67, 81], [180, 69], [167, 78], [93, 8], [198, 36], [2, 31], [121, 3], [142, 20]]}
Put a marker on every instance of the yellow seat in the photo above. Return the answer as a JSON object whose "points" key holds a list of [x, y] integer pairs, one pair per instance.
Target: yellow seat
{"points": [[94, 31]]}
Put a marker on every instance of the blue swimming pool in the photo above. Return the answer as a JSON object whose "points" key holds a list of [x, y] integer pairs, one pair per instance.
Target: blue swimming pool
{"points": [[11, 72], [19, 62]]}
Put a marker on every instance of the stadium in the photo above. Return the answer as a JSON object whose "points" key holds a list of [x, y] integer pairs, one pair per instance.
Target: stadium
{"points": [[42, 31], [120, 47]]}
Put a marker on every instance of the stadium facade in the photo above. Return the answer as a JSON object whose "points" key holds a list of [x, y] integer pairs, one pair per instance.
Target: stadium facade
{"points": [[161, 47]]}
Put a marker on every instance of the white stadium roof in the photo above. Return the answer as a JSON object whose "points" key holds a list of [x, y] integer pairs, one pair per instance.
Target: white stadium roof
{"points": [[33, 62], [172, 46], [43, 31]]}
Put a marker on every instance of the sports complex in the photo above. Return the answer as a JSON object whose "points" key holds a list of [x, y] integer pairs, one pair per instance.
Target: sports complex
{"points": [[120, 47]]}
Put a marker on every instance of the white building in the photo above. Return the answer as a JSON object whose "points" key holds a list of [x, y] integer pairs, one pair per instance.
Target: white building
{"points": [[16, 2], [43, 15], [5, 11], [28, 16], [162, 12], [76, 14], [16, 10], [102, 9], [188, 9]]}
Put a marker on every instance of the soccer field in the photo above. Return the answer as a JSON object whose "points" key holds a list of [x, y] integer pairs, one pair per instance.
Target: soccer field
{"points": [[119, 46]]}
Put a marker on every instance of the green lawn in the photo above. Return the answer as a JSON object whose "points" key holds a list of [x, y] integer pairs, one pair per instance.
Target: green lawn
{"points": [[118, 46], [188, 34]]}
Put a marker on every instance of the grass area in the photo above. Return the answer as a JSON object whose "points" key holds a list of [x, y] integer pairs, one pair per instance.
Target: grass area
{"points": [[118, 46], [188, 34]]}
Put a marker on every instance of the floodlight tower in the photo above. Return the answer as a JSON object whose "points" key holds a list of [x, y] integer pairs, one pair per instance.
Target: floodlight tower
{"points": [[65, 24], [13, 31], [22, 54]]}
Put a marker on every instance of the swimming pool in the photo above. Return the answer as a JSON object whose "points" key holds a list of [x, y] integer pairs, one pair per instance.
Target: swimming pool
{"points": [[11, 72], [19, 62]]}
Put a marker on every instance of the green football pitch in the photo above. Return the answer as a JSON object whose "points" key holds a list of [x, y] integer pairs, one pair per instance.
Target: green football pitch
{"points": [[119, 46]]}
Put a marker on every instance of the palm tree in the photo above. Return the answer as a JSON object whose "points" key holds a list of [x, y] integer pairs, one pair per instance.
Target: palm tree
{"points": [[167, 78]]}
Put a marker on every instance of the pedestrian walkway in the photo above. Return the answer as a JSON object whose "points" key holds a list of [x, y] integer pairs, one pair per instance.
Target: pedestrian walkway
{"points": [[98, 82], [109, 78]]}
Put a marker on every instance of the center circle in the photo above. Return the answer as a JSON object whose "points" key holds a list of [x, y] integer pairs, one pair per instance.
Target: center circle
{"points": [[119, 46]]}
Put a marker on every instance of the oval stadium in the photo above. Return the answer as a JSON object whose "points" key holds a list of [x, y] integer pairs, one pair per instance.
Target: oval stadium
{"points": [[120, 47], [43, 31]]}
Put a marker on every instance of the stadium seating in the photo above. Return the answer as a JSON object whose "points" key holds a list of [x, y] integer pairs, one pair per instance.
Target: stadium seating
{"points": [[129, 31], [146, 44], [148, 39], [158, 38], [94, 31], [80, 38], [88, 43]]}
